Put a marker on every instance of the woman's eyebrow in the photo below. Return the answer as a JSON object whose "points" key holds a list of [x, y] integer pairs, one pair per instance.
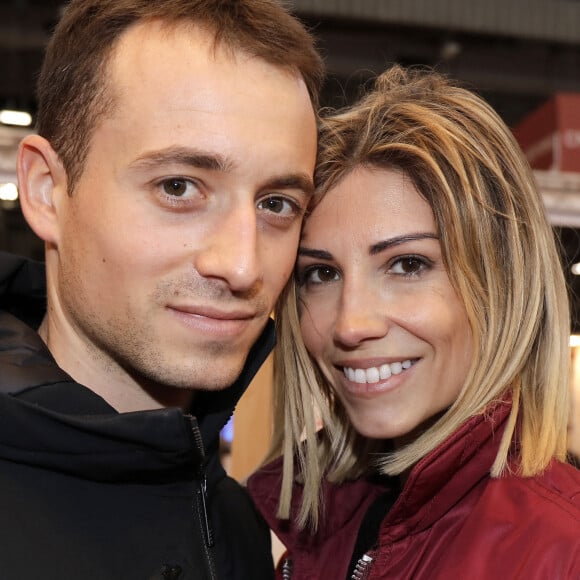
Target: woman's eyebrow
{"points": [[374, 249], [311, 253], [381, 246]]}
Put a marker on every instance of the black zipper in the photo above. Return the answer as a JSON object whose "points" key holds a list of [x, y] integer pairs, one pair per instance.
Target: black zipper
{"points": [[203, 516], [208, 535]]}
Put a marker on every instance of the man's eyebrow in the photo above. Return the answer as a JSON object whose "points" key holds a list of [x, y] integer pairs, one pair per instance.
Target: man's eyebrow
{"points": [[300, 181], [217, 162], [317, 254], [379, 247], [184, 156]]}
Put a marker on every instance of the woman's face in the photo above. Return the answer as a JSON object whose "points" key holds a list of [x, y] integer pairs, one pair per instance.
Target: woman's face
{"points": [[379, 314]]}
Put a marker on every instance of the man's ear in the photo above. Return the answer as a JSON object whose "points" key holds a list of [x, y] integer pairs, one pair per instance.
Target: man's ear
{"points": [[42, 183]]}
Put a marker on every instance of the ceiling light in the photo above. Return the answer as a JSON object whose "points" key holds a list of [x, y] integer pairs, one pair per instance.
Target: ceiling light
{"points": [[18, 118], [450, 49], [575, 269]]}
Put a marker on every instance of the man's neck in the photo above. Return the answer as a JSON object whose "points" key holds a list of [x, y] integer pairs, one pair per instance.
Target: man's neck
{"points": [[118, 388]]}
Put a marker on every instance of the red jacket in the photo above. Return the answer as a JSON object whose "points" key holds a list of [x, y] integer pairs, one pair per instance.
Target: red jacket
{"points": [[451, 520]]}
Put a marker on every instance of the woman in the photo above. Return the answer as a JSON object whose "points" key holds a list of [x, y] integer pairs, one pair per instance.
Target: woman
{"points": [[428, 324]]}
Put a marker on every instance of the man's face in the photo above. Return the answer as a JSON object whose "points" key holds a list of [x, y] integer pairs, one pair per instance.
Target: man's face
{"points": [[184, 225]]}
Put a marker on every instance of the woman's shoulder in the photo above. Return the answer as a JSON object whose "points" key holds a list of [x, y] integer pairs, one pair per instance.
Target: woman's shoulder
{"points": [[559, 482], [560, 485], [552, 496], [265, 483]]}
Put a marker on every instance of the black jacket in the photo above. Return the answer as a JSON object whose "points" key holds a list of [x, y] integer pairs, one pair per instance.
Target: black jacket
{"points": [[87, 493]]}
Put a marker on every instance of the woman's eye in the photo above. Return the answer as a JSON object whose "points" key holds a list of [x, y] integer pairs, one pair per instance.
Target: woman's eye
{"points": [[318, 275], [408, 266], [178, 187]]}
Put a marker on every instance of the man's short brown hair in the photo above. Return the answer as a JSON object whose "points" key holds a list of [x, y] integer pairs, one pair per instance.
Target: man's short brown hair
{"points": [[73, 87]]}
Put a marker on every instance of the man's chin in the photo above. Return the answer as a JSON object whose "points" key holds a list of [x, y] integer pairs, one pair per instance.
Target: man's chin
{"points": [[214, 377]]}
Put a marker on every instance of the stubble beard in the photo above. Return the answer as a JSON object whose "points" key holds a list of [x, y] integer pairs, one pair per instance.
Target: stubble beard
{"points": [[131, 344]]}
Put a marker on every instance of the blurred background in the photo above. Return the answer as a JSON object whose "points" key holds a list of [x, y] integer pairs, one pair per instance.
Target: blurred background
{"points": [[522, 56]]}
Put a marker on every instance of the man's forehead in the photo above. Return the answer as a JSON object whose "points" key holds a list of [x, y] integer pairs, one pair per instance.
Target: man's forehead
{"points": [[145, 38], [196, 42]]}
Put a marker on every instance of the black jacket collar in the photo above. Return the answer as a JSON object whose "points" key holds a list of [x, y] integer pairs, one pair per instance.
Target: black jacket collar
{"points": [[41, 393]]}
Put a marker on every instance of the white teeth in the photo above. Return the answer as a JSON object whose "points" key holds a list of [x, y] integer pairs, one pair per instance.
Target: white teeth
{"points": [[373, 375], [376, 374], [397, 368], [385, 371]]}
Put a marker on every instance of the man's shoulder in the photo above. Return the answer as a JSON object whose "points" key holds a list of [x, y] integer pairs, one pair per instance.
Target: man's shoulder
{"points": [[232, 498], [243, 540]]}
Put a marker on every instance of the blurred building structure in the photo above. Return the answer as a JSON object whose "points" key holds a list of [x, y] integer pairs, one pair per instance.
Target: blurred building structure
{"points": [[517, 53]]}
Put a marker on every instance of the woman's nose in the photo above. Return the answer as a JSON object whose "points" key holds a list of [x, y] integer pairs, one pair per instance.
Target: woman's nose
{"points": [[361, 316]]}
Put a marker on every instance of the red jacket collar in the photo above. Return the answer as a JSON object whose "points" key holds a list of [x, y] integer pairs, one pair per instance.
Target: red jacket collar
{"points": [[434, 485]]}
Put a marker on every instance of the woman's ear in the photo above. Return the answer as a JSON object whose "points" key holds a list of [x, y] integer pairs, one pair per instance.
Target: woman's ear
{"points": [[42, 183]]}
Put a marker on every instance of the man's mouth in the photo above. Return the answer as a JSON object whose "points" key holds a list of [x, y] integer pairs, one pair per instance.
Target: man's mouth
{"points": [[215, 313]]}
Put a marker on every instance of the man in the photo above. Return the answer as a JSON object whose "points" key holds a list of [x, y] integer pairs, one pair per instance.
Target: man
{"points": [[168, 181]]}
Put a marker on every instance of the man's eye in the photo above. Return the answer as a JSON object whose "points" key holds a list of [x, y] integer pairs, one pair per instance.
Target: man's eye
{"points": [[176, 187], [278, 205]]}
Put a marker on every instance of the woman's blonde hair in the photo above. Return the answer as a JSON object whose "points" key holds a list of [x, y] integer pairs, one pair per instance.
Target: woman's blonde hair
{"points": [[500, 255]]}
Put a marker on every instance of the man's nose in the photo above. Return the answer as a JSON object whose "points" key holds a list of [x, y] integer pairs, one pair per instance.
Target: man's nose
{"points": [[230, 252]]}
